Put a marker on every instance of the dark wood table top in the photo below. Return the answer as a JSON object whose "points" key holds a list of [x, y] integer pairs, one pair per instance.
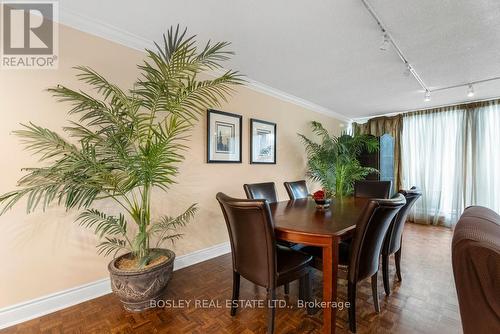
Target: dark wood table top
{"points": [[302, 216]]}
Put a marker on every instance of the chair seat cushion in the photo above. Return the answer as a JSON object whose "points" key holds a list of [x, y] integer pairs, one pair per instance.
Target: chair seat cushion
{"points": [[286, 244], [289, 260]]}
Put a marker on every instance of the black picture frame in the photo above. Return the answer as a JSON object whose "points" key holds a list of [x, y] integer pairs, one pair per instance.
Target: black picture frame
{"points": [[230, 123], [253, 124]]}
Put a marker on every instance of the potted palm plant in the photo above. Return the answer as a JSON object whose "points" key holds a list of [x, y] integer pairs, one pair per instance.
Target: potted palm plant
{"points": [[333, 162], [122, 145]]}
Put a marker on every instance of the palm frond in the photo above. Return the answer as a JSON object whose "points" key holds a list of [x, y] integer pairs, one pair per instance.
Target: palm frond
{"points": [[103, 224], [192, 99], [166, 225], [112, 246], [311, 147], [80, 101], [319, 130], [103, 87], [43, 141], [213, 54]]}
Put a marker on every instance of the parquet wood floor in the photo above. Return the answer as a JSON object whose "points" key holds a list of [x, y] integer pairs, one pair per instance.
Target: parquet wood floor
{"points": [[424, 302]]}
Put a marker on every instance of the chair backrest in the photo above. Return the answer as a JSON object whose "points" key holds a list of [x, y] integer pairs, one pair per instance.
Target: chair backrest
{"points": [[251, 233], [392, 242], [476, 267], [296, 189], [372, 189], [371, 228], [266, 190]]}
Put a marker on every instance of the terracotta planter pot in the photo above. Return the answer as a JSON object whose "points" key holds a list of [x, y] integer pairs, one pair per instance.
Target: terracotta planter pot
{"points": [[137, 289]]}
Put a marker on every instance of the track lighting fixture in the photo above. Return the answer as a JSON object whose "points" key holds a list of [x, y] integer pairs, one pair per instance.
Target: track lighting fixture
{"points": [[470, 92], [385, 43], [427, 96], [407, 71]]}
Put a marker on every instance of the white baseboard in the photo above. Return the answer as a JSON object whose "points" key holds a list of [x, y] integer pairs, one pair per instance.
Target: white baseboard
{"points": [[201, 255], [38, 307]]}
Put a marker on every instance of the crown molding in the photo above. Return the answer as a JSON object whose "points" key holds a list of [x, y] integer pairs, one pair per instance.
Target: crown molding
{"points": [[102, 29], [109, 32], [268, 90]]}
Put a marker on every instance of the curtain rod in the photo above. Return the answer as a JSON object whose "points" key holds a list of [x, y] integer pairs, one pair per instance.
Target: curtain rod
{"points": [[355, 120]]}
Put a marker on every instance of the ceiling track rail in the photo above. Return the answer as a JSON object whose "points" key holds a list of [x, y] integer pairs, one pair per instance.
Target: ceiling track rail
{"points": [[466, 84], [395, 45], [405, 61]]}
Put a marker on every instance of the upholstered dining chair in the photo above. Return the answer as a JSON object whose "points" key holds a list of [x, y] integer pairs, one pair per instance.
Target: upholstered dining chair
{"points": [[475, 253], [361, 256], [393, 238], [372, 189], [296, 189], [266, 190], [258, 258]]}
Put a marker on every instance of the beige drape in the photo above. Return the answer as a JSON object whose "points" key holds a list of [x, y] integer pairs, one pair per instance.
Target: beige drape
{"points": [[379, 126]]}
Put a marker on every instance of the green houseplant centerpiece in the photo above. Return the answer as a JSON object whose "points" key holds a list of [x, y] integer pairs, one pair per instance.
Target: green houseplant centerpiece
{"points": [[124, 144], [333, 162]]}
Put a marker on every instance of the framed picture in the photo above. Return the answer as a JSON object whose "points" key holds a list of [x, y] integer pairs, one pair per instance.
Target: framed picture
{"points": [[223, 137], [262, 142]]}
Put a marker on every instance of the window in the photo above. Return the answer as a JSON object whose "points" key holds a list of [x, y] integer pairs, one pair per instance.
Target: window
{"points": [[454, 156], [387, 158]]}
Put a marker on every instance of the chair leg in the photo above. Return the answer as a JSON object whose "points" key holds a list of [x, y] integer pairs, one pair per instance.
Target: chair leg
{"points": [[302, 293], [351, 297], [236, 292], [305, 291], [375, 293], [385, 274], [397, 257], [286, 287], [271, 309]]}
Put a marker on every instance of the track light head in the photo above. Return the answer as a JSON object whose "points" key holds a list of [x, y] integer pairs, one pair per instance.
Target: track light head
{"points": [[427, 97], [407, 71], [470, 92], [385, 43]]}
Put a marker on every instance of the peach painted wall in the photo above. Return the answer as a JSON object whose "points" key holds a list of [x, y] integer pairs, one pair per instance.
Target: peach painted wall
{"points": [[46, 252]]}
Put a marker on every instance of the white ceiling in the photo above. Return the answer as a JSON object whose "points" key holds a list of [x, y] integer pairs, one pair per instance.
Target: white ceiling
{"points": [[327, 51]]}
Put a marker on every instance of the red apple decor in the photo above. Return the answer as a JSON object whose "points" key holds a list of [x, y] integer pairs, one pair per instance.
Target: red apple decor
{"points": [[322, 201]]}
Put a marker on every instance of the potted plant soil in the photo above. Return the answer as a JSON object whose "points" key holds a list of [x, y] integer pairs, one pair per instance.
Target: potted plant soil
{"points": [[124, 144]]}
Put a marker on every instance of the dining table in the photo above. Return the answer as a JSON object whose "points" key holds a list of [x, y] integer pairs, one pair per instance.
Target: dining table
{"points": [[301, 221]]}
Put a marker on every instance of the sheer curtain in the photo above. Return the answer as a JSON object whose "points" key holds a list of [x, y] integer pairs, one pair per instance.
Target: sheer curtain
{"points": [[481, 172], [453, 155]]}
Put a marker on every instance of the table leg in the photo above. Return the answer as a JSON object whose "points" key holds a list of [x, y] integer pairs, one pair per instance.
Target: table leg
{"points": [[330, 268]]}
